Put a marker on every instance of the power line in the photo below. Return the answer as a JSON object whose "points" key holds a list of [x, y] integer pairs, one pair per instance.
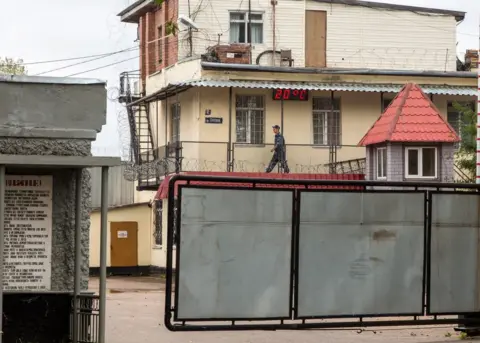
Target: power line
{"points": [[76, 58], [104, 66], [172, 39], [87, 61]]}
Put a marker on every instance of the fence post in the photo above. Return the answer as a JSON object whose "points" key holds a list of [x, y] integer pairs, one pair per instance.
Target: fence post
{"points": [[178, 157]]}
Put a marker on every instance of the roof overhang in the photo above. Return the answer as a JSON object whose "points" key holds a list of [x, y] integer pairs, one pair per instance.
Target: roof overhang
{"points": [[54, 80], [176, 88], [334, 71], [459, 15], [132, 13], [49, 161]]}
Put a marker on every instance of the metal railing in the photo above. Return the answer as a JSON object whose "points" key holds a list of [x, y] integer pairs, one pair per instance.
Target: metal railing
{"points": [[204, 156], [301, 158], [87, 319], [130, 87], [461, 176]]}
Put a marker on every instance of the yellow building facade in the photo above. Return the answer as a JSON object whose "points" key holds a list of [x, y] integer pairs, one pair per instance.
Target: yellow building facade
{"points": [[222, 120]]}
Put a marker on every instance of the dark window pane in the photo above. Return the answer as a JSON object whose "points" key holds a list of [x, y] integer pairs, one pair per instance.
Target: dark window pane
{"points": [[257, 33], [412, 164], [379, 163], [428, 162], [385, 104]]}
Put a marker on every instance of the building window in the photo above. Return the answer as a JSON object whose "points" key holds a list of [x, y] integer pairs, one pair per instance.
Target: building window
{"points": [[326, 122], [385, 104], [250, 119], [239, 27], [160, 44], [456, 118], [421, 162], [381, 157], [175, 123]]}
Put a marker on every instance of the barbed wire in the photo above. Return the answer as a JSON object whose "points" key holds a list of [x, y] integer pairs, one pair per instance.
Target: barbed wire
{"points": [[169, 165]]}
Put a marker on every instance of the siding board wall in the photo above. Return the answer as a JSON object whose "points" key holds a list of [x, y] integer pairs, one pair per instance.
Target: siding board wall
{"points": [[357, 37], [213, 18], [385, 39], [120, 191]]}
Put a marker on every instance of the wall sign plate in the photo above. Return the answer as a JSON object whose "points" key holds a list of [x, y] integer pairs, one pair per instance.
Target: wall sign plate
{"points": [[214, 120]]}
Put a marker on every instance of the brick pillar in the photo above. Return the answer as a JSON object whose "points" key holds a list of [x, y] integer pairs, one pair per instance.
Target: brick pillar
{"points": [[143, 51], [150, 43], [166, 40]]}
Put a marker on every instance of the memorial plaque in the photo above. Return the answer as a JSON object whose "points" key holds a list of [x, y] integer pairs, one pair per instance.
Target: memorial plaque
{"points": [[28, 233]]}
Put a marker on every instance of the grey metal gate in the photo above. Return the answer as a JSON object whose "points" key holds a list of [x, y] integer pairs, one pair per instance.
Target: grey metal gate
{"points": [[252, 254]]}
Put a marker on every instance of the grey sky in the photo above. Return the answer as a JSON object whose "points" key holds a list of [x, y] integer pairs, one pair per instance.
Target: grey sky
{"points": [[89, 27]]}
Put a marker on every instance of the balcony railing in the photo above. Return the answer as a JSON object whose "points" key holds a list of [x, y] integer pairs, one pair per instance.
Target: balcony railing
{"points": [[130, 87], [191, 156], [301, 158]]}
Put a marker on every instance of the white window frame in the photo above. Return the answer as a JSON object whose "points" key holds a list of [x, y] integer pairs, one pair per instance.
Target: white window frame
{"points": [[250, 109], [325, 112], [420, 164], [381, 151], [245, 21]]}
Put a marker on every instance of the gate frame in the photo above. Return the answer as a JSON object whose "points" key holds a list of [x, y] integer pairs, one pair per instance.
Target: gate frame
{"points": [[221, 182]]}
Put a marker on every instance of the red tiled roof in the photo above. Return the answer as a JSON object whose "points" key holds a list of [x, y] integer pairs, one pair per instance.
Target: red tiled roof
{"points": [[410, 117], [162, 192]]}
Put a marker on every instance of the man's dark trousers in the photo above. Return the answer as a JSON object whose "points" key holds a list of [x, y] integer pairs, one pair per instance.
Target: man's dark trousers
{"points": [[278, 157]]}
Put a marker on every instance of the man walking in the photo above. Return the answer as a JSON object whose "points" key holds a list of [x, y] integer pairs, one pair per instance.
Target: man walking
{"points": [[279, 153]]}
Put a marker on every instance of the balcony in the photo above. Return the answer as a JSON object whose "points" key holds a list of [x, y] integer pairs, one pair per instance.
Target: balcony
{"points": [[130, 87], [192, 156]]}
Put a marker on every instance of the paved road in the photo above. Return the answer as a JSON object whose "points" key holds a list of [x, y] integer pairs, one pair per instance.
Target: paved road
{"points": [[135, 314]]}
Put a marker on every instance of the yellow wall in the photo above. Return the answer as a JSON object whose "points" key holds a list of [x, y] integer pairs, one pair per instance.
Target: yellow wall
{"points": [[159, 253], [144, 196], [142, 214], [207, 149], [204, 146]]}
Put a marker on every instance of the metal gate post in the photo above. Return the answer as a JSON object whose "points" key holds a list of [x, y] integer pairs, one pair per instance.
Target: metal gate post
{"points": [[2, 239]]}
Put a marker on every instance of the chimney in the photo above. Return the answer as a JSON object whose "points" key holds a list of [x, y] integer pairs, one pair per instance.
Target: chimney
{"points": [[471, 60]]}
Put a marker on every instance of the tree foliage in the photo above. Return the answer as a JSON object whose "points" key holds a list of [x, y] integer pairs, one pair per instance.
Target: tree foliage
{"points": [[466, 155], [12, 67], [171, 27]]}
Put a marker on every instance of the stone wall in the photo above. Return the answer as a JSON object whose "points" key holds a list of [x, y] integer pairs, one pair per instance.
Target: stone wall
{"points": [[63, 216]]}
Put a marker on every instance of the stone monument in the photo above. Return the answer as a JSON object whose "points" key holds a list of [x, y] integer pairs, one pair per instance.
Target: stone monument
{"points": [[47, 126]]}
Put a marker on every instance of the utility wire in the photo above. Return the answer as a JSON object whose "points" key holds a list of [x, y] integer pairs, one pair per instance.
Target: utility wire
{"points": [[87, 61], [165, 43], [77, 58], [104, 66]]}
